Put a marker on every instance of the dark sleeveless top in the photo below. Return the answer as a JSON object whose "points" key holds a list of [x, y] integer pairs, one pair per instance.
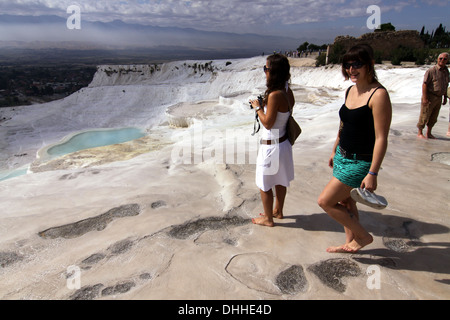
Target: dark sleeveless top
{"points": [[358, 129]]}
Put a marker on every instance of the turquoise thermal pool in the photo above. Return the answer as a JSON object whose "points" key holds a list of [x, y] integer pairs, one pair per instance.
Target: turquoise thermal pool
{"points": [[80, 141], [92, 139], [12, 174]]}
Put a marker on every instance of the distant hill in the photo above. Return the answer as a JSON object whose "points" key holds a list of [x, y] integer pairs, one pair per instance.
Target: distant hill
{"points": [[42, 32]]}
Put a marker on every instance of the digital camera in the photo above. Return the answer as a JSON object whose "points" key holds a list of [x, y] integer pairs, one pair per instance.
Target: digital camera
{"points": [[261, 101]]}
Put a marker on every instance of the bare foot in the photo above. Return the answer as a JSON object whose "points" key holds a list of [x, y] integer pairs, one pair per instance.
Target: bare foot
{"points": [[275, 215], [339, 249], [263, 221], [430, 136], [358, 244], [278, 215], [421, 136], [448, 134]]}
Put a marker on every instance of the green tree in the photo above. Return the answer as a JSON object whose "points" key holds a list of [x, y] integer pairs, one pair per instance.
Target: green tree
{"points": [[335, 55], [303, 46], [321, 59], [438, 39], [402, 54], [421, 56], [441, 37], [386, 27]]}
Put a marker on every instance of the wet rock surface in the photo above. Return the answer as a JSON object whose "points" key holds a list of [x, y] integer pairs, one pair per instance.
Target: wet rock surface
{"points": [[333, 271], [442, 157], [87, 293], [118, 288], [397, 245], [292, 280], [259, 271], [93, 259], [191, 228], [98, 223], [158, 204], [9, 258]]}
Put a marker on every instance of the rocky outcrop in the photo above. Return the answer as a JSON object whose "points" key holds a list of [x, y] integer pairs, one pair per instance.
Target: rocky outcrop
{"points": [[383, 42]]}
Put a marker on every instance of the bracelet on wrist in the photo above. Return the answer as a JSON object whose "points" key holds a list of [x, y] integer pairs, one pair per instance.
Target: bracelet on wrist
{"points": [[373, 173]]}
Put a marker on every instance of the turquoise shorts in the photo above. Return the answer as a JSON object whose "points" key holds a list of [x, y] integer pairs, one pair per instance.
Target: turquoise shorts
{"points": [[348, 171]]}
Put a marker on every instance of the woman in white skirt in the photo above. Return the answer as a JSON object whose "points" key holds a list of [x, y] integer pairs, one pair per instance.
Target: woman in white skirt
{"points": [[274, 166]]}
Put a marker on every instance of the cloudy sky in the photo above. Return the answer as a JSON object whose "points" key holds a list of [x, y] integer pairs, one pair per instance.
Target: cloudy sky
{"points": [[301, 19]]}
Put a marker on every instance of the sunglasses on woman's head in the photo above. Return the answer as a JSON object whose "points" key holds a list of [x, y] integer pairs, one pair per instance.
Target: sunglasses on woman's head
{"points": [[266, 69], [355, 65]]}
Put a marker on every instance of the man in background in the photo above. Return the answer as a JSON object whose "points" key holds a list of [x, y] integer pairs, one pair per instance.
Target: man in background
{"points": [[434, 87]]}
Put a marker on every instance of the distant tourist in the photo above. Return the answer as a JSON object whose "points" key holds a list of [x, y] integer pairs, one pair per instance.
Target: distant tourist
{"points": [[274, 166], [435, 84], [360, 146]]}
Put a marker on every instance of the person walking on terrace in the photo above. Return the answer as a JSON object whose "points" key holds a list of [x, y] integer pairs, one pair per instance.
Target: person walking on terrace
{"points": [[434, 88], [359, 148]]}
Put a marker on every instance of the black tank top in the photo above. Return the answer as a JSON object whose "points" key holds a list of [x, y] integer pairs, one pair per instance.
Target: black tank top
{"points": [[358, 130]]}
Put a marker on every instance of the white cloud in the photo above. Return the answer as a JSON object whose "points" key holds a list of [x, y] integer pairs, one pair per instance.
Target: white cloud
{"points": [[440, 3], [203, 14], [238, 16]]}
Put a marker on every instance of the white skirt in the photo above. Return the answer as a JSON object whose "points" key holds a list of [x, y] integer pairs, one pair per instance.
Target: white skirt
{"points": [[274, 166]]}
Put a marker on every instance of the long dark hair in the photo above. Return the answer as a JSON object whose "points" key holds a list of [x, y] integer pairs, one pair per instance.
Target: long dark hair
{"points": [[279, 73], [363, 53]]}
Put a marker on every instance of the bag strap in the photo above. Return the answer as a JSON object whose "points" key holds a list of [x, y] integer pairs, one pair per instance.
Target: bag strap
{"points": [[256, 123], [289, 103]]}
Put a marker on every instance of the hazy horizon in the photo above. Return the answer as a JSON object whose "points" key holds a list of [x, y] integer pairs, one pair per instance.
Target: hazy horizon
{"points": [[197, 28], [256, 24]]}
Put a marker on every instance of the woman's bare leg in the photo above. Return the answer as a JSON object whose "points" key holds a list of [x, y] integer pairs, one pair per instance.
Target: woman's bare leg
{"points": [[330, 201], [280, 195], [267, 218], [350, 204]]}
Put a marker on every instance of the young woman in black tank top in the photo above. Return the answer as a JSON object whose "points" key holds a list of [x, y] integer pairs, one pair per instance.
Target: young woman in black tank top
{"points": [[360, 146]]}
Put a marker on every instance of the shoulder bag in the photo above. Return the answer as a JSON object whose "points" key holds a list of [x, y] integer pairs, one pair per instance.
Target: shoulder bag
{"points": [[293, 129]]}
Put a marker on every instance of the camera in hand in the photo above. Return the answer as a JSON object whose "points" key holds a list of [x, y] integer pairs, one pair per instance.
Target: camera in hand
{"points": [[261, 102]]}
